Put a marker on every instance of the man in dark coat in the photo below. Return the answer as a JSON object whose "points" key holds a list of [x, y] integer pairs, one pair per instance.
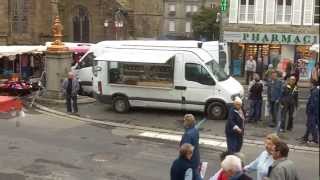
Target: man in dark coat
{"points": [[191, 136], [274, 88], [255, 98], [312, 111], [70, 88], [232, 166], [235, 127], [260, 67], [288, 102], [181, 168]]}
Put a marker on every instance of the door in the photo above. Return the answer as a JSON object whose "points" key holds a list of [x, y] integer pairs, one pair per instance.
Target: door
{"points": [[198, 81], [84, 73]]}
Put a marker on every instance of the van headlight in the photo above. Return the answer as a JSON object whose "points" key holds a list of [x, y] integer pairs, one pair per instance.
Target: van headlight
{"points": [[233, 97]]}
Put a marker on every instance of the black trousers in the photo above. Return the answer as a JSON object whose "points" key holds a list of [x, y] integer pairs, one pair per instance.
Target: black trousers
{"points": [[249, 76], [72, 103], [287, 110], [234, 143]]}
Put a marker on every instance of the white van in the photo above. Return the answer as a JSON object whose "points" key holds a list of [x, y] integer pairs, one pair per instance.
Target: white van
{"points": [[172, 78], [83, 69]]}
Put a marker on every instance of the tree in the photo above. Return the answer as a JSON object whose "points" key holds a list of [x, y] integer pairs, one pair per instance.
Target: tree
{"points": [[204, 24]]}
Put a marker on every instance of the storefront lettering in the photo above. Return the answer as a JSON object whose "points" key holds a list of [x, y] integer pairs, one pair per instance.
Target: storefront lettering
{"points": [[286, 38], [307, 39], [245, 36], [265, 38], [274, 38], [279, 38], [255, 37]]}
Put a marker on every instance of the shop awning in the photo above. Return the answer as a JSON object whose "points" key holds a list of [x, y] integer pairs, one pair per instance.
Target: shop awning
{"points": [[14, 50], [138, 56]]}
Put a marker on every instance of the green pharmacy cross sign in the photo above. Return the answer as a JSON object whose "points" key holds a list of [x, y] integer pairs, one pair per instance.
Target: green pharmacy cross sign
{"points": [[223, 5]]}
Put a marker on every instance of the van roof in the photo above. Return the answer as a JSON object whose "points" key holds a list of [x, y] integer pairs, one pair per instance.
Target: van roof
{"points": [[137, 56], [157, 43]]}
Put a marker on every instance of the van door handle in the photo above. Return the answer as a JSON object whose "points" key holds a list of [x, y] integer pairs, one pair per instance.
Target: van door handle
{"points": [[180, 87]]}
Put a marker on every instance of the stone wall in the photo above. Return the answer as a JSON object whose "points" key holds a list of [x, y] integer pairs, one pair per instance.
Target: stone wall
{"points": [[4, 24]]}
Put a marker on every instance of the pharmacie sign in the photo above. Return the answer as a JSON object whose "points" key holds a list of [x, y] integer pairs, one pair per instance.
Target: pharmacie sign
{"points": [[272, 38]]}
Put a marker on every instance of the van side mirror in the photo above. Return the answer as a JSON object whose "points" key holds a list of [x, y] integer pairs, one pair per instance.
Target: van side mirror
{"points": [[97, 68]]}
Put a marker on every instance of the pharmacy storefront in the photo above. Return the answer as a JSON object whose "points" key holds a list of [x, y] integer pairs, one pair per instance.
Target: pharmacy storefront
{"points": [[277, 49]]}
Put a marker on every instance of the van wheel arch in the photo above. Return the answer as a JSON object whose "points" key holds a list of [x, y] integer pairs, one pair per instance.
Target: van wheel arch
{"points": [[120, 103], [216, 109]]}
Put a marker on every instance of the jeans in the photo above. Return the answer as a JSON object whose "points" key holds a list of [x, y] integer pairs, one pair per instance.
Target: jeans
{"points": [[312, 128], [72, 103], [255, 109], [287, 109], [274, 108], [249, 76]]}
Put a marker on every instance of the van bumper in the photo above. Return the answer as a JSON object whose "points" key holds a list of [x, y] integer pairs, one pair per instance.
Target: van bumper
{"points": [[106, 99]]}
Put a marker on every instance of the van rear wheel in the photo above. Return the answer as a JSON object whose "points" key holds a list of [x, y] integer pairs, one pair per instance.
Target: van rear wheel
{"points": [[216, 111], [120, 104]]}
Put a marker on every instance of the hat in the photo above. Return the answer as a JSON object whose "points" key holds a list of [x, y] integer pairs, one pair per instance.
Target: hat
{"points": [[238, 100]]}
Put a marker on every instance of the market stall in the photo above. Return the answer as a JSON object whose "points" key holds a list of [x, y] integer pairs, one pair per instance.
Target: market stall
{"points": [[19, 67], [10, 107]]}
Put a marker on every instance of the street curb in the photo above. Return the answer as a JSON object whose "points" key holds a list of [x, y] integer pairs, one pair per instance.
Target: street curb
{"points": [[134, 127]]}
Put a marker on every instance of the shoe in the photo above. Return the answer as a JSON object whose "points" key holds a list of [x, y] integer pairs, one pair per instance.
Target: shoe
{"points": [[282, 130], [289, 129], [272, 125]]}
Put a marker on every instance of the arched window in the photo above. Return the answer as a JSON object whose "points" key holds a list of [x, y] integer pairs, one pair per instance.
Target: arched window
{"points": [[19, 15], [81, 25]]}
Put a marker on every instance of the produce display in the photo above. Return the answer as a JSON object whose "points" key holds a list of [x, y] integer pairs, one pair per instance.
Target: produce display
{"points": [[16, 88]]}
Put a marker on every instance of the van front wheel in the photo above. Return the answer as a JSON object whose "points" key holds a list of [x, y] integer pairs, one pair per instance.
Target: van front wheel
{"points": [[120, 104], [216, 111]]}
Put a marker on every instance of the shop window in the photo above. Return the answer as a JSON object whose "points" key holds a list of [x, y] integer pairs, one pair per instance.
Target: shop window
{"points": [[141, 74], [247, 11], [316, 19], [172, 26], [188, 27], [194, 8], [172, 8], [284, 11], [188, 9], [19, 15], [197, 73]]}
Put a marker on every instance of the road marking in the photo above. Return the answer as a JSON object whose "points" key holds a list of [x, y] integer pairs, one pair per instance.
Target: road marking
{"points": [[177, 138]]}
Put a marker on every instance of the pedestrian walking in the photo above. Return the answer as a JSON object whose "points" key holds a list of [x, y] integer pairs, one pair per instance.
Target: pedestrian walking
{"points": [[312, 111], [288, 103], [260, 67], [262, 163], [235, 127], [267, 74], [182, 168], [191, 136], [70, 88], [232, 166], [255, 99], [221, 175], [274, 88], [282, 168], [250, 68]]}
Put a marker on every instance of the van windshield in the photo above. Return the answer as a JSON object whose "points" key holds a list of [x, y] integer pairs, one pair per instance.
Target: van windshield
{"points": [[216, 70]]}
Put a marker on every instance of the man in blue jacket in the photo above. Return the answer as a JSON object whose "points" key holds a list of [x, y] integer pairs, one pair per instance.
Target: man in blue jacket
{"points": [[312, 111], [181, 168], [274, 88]]}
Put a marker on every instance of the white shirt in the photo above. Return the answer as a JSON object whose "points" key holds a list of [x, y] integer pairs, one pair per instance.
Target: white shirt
{"points": [[261, 165]]}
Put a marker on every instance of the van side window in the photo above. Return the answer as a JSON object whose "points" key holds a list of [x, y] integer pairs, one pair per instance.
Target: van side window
{"points": [[87, 61], [197, 73]]}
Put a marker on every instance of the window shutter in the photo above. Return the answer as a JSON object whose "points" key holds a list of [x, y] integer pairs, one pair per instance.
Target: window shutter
{"points": [[259, 12], [297, 12], [233, 11], [270, 11], [308, 12]]}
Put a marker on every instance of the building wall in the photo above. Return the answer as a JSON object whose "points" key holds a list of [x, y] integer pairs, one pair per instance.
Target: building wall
{"points": [[4, 24]]}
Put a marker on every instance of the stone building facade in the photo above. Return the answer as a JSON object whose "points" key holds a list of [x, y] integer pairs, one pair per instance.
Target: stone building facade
{"points": [[177, 23], [29, 21], [279, 32]]}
